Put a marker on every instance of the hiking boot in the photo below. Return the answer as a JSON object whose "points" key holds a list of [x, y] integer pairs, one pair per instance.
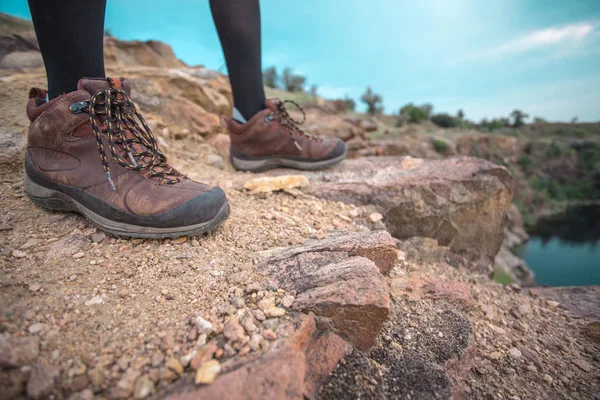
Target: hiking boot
{"points": [[90, 151], [273, 139]]}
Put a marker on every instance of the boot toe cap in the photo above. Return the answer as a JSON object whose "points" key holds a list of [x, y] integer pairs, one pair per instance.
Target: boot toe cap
{"points": [[339, 150]]}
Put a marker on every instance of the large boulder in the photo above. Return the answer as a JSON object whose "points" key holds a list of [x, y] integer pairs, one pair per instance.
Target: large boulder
{"points": [[460, 201], [124, 53], [340, 280], [22, 60], [18, 42], [182, 99]]}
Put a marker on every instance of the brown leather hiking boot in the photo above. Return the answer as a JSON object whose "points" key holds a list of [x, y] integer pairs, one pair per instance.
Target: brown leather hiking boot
{"points": [[272, 139], [90, 151]]}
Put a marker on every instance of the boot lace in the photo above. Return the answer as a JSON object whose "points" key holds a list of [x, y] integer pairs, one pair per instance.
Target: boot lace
{"points": [[289, 123], [113, 114]]}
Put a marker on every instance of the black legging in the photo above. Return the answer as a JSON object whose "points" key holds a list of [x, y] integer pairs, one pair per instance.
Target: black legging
{"points": [[70, 34]]}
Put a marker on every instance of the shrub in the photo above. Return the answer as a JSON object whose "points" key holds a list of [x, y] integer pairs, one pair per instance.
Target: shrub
{"points": [[373, 101], [524, 161], [313, 90], [349, 103], [581, 133], [440, 146], [413, 113], [553, 151], [445, 120], [293, 82], [271, 78], [502, 277]]}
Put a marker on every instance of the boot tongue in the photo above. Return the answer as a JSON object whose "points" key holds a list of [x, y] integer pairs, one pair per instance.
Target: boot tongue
{"points": [[95, 85]]}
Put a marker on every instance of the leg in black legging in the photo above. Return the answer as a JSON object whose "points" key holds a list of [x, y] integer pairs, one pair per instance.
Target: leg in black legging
{"points": [[70, 34], [238, 25]]}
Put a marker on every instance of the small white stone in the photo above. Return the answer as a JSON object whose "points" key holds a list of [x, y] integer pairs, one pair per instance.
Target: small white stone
{"points": [[94, 300], [38, 327], [515, 353]]}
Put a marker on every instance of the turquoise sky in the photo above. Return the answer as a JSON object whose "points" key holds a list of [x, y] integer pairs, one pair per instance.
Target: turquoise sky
{"points": [[487, 57]]}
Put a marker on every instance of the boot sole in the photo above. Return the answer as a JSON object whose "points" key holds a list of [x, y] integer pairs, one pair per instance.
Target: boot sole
{"points": [[58, 201], [270, 163]]}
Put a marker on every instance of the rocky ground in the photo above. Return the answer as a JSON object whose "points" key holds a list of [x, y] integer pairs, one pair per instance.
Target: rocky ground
{"points": [[370, 280]]}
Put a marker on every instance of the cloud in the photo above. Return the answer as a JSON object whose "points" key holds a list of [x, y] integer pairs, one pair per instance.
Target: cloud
{"points": [[542, 38], [335, 92], [559, 38]]}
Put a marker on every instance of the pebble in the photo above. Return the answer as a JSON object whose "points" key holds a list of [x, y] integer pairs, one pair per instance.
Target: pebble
{"points": [[271, 324], [179, 240], [248, 324], [252, 288], [79, 254], [245, 350], [514, 353], [515, 313], [238, 302], [552, 303], [374, 217], [269, 334], [94, 301], [496, 355], [272, 287], [524, 309], [266, 303], [207, 372], [254, 342], [98, 237], [96, 376], [548, 378], [287, 301], [157, 359], [19, 254], [233, 331], [34, 287], [274, 312], [259, 315], [204, 354], [143, 387], [174, 365], [123, 293], [228, 351], [215, 160], [203, 325], [37, 327]]}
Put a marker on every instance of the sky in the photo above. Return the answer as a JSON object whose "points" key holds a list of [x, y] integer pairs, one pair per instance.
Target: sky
{"points": [[485, 57]]}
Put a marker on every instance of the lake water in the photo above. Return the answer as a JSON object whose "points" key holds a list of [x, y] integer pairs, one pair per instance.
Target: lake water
{"points": [[564, 250]]}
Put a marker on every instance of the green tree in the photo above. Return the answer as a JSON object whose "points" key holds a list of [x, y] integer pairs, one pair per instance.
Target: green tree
{"points": [[313, 90], [271, 78], [373, 101], [445, 120], [412, 113], [349, 103], [460, 114], [518, 117], [293, 82], [427, 109]]}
